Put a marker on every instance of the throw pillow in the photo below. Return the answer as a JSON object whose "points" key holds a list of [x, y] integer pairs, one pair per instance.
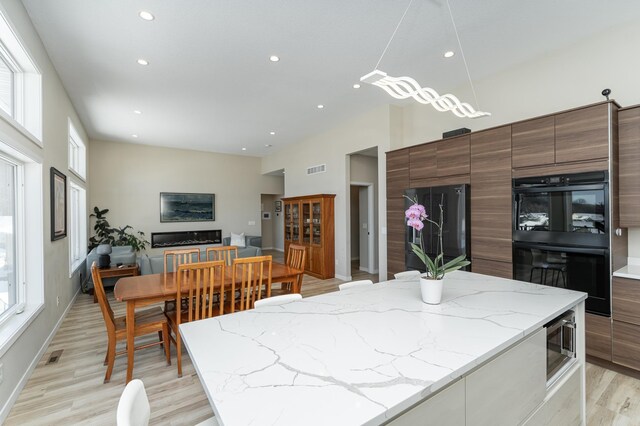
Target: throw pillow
{"points": [[237, 240]]}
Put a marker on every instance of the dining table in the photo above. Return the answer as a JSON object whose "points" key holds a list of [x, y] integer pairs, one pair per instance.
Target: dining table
{"points": [[143, 290]]}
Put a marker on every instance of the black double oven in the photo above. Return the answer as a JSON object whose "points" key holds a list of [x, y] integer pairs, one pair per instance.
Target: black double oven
{"points": [[561, 234]]}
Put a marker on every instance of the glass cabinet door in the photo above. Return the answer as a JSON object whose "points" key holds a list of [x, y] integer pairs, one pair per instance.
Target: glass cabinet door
{"points": [[316, 221], [306, 223], [288, 223], [295, 222]]}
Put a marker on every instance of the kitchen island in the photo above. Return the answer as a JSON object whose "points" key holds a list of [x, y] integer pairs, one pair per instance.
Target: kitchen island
{"points": [[377, 354]]}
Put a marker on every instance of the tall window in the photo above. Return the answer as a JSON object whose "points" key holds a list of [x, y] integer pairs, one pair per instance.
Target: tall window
{"points": [[77, 153], [78, 226], [11, 292], [20, 85]]}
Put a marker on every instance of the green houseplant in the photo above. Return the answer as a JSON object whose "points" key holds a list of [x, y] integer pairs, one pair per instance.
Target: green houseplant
{"points": [[106, 234]]}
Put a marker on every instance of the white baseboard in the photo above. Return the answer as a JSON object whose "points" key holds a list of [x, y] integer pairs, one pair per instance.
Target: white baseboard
{"points": [[273, 248], [4, 413], [355, 258], [343, 277], [375, 271]]}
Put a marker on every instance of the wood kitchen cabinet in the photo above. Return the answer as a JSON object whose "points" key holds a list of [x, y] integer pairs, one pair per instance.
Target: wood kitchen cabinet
{"points": [[583, 134], [626, 344], [309, 221], [491, 195], [398, 164], [629, 163], [598, 336], [448, 157], [533, 142]]}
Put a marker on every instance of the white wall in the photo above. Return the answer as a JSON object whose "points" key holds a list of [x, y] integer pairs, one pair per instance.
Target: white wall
{"points": [[127, 179], [331, 147], [25, 351]]}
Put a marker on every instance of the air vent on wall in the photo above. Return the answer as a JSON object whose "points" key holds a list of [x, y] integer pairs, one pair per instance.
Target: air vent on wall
{"points": [[317, 169]]}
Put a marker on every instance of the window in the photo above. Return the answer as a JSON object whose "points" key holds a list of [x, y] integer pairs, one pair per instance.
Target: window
{"points": [[77, 153], [78, 226], [11, 236], [20, 85]]}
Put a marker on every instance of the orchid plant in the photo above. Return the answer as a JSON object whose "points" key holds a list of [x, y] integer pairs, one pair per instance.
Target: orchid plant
{"points": [[416, 215]]}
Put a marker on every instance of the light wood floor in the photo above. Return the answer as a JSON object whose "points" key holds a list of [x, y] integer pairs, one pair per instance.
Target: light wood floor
{"points": [[71, 391]]}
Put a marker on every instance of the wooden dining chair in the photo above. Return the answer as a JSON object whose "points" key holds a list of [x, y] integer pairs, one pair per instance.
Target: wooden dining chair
{"points": [[250, 277], [146, 322], [352, 284], [226, 253], [277, 300], [179, 257], [199, 282], [296, 257]]}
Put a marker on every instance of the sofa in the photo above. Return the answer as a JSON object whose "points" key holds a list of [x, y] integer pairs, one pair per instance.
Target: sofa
{"points": [[155, 264]]}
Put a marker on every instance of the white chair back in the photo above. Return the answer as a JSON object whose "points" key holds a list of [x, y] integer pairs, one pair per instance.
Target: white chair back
{"points": [[277, 300], [407, 276], [355, 284], [133, 408]]}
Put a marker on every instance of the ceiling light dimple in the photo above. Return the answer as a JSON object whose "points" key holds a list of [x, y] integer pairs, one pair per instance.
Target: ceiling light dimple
{"points": [[320, 106], [147, 16], [134, 136], [137, 111], [143, 61], [244, 149], [356, 86], [272, 133], [448, 54], [274, 58], [268, 145]]}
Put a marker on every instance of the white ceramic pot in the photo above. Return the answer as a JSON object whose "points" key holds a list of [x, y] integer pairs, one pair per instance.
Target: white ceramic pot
{"points": [[431, 290]]}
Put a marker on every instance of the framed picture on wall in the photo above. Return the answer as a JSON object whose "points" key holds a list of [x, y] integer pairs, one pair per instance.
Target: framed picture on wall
{"points": [[278, 206], [187, 207], [58, 205]]}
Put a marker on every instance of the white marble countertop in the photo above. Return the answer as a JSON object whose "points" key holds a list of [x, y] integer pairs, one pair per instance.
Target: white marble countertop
{"points": [[362, 355], [629, 271]]}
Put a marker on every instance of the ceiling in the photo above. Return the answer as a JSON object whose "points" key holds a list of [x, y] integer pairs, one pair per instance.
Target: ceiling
{"points": [[210, 85]]}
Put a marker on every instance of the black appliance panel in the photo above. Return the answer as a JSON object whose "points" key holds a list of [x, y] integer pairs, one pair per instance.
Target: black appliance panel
{"points": [[455, 236], [574, 268]]}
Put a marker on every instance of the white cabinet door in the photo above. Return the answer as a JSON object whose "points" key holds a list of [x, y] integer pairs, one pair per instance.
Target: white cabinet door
{"points": [[444, 408], [562, 407], [506, 390]]}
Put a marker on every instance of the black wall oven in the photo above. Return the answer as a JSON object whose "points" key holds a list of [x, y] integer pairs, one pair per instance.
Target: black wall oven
{"points": [[561, 234]]}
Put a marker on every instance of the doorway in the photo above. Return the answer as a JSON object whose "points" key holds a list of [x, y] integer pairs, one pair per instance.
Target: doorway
{"points": [[272, 222], [363, 207]]}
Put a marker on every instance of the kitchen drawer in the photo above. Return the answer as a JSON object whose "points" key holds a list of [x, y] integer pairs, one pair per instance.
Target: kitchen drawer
{"points": [[626, 344], [626, 300], [444, 408], [562, 406], [598, 336]]}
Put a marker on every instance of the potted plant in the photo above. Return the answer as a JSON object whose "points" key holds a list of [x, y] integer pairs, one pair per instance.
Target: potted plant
{"points": [[431, 281], [105, 234]]}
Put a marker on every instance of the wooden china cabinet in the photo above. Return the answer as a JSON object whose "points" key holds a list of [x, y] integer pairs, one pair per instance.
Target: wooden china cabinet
{"points": [[309, 221]]}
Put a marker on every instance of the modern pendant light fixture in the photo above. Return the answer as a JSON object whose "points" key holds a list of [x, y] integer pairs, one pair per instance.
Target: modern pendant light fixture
{"points": [[407, 87]]}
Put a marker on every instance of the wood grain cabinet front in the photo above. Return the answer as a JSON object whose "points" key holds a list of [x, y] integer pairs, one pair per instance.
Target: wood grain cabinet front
{"points": [[533, 142], [598, 336], [583, 134], [453, 156], [629, 161], [626, 300], [423, 163], [397, 172], [626, 344]]}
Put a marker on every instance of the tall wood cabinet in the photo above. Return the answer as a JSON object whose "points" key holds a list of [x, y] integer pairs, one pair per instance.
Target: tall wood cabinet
{"points": [[629, 122], [309, 221]]}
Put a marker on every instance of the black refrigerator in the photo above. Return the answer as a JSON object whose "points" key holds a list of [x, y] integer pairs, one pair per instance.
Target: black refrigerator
{"points": [[456, 234]]}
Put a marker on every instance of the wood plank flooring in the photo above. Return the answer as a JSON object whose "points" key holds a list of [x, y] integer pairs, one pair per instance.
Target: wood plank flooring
{"points": [[71, 391]]}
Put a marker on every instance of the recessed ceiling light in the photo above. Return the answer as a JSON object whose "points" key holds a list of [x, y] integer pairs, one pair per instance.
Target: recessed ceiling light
{"points": [[137, 111], [356, 86], [268, 145], [143, 61], [244, 149], [272, 133], [448, 54], [134, 136], [320, 106], [274, 58], [147, 16]]}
